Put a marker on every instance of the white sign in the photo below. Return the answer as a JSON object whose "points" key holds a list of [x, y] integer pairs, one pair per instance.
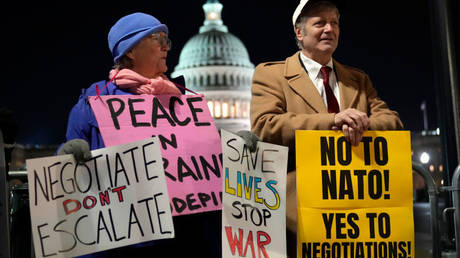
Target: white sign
{"points": [[117, 198], [254, 199]]}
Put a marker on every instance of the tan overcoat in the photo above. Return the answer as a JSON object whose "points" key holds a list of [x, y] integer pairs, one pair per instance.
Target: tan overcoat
{"points": [[284, 99]]}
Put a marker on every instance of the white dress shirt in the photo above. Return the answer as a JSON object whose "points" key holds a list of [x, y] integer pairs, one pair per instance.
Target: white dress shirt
{"points": [[314, 72]]}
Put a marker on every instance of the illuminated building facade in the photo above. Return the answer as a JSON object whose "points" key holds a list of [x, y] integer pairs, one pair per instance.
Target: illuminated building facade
{"points": [[216, 63]]}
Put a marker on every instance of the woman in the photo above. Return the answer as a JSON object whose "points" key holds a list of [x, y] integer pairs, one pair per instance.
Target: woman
{"points": [[139, 44]]}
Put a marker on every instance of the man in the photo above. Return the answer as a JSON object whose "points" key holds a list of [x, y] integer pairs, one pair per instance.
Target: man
{"points": [[312, 91]]}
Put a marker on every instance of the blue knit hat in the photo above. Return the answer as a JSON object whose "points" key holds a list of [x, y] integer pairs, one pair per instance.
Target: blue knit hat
{"points": [[131, 29]]}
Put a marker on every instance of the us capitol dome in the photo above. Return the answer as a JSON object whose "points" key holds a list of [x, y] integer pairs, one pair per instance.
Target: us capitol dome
{"points": [[216, 63]]}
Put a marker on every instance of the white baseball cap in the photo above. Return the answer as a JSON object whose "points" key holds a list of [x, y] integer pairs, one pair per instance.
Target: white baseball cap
{"points": [[338, 3], [298, 10]]}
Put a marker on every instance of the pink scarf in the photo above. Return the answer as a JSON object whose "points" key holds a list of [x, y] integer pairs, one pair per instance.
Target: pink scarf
{"points": [[138, 84]]}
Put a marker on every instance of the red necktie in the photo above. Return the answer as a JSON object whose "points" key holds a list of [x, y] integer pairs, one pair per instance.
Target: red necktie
{"points": [[332, 104]]}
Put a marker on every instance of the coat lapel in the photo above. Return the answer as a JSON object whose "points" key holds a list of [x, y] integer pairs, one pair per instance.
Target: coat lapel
{"points": [[347, 86], [300, 82]]}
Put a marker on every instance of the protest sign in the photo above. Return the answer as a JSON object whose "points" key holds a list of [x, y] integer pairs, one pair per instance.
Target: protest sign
{"points": [[354, 201], [254, 199], [189, 140], [117, 198]]}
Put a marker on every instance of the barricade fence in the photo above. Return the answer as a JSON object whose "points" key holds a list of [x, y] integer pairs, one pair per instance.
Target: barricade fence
{"points": [[13, 211]]}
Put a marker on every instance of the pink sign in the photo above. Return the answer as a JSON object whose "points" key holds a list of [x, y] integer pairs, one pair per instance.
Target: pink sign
{"points": [[190, 143]]}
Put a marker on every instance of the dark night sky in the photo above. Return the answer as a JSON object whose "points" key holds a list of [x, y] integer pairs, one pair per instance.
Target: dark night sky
{"points": [[54, 50]]}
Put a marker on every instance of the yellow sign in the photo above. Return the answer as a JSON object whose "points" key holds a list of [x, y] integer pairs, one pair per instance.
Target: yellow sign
{"points": [[354, 201]]}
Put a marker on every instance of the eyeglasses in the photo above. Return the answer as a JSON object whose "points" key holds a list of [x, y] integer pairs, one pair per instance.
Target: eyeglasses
{"points": [[162, 39]]}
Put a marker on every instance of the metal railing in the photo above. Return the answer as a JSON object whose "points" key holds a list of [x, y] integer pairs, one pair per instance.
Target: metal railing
{"points": [[454, 189], [432, 189], [456, 202], [4, 204], [433, 193]]}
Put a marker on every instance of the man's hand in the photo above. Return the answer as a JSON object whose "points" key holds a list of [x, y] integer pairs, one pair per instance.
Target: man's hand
{"points": [[79, 148], [353, 123]]}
